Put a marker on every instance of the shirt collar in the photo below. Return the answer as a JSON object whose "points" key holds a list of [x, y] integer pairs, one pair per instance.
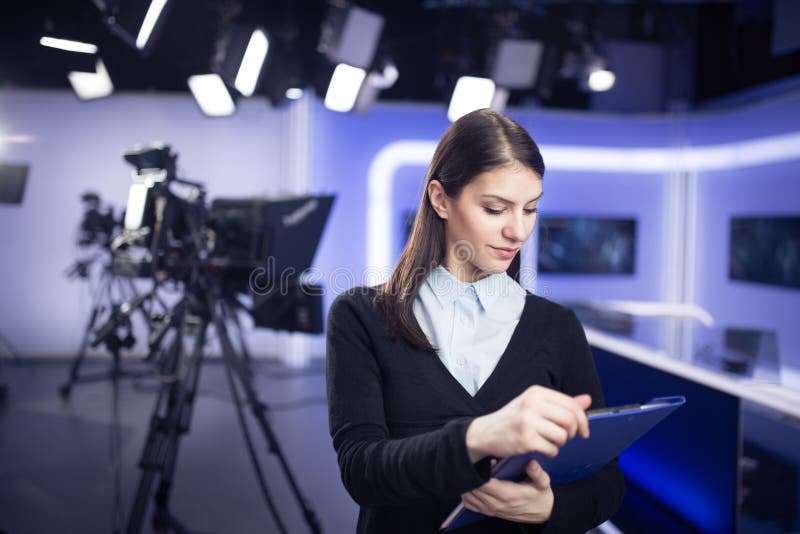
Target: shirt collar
{"points": [[488, 290], [494, 287], [446, 287]]}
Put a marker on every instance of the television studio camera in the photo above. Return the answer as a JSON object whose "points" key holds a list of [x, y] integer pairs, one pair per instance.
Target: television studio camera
{"points": [[238, 248]]}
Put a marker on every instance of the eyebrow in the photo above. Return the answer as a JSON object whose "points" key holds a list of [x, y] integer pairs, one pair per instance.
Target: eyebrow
{"points": [[511, 202]]}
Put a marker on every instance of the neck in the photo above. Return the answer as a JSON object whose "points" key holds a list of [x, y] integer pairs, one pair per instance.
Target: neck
{"points": [[464, 272]]}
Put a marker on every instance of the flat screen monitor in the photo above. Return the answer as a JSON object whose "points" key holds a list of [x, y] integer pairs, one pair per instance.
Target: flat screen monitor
{"points": [[587, 245], [765, 250], [12, 182]]}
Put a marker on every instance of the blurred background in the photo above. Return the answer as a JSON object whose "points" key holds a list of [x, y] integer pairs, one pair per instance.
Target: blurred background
{"points": [[155, 154]]}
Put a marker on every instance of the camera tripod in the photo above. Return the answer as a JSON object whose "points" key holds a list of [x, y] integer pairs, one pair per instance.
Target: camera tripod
{"points": [[108, 333], [179, 365]]}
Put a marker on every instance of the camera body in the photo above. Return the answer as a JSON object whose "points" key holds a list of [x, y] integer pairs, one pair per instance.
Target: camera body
{"points": [[260, 247]]}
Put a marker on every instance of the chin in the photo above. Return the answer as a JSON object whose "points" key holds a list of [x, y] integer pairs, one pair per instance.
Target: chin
{"points": [[495, 267]]}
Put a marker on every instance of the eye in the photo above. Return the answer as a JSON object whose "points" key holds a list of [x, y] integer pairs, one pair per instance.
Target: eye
{"points": [[531, 211], [492, 211]]}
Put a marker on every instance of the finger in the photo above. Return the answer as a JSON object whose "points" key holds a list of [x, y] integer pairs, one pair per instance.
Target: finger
{"points": [[573, 404], [537, 475], [471, 502], [584, 401], [577, 405], [483, 501], [563, 417], [551, 432]]}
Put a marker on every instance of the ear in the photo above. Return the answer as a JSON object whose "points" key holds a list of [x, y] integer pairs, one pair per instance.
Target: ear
{"points": [[438, 198]]}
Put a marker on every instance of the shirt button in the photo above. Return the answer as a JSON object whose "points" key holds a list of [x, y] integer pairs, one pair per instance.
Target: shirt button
{"points": [[464, 319], [461, 361]]}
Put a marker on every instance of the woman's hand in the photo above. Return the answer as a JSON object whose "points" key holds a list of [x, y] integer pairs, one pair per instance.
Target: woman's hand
{"points": [[530, 501], [539, 419]]}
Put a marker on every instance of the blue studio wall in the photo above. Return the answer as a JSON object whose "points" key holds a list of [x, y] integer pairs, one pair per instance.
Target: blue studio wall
{"points": [[345, 146]]}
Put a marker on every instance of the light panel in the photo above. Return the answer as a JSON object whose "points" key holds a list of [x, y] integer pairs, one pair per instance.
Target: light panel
{"points": [[211, 95], [91, 85], [253, 60], [471, 93], [344, 87]]}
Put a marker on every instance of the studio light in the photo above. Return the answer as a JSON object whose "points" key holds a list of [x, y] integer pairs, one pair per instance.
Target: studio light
{"points": [[471, 93], [344, 87], [211, 95], [294, 93], [239, 54], [149, 22], [68, 45], [375, 82], [600, 80], [253, 60], [91, 85], [350, 35], [517, 63], [596, 75], [137, 22], [384, 79], [349, 39]]}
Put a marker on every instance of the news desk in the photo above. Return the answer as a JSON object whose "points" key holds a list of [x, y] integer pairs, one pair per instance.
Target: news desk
{"points": [[689, 465]]}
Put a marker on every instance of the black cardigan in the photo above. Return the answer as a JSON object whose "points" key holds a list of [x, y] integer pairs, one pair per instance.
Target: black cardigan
{"points": [[398, 418]]}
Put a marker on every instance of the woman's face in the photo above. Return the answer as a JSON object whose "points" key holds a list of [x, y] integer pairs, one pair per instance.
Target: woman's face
{"points": [[489, 221]]}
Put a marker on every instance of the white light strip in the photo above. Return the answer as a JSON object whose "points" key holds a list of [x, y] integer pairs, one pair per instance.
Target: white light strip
{"points": [[380, 179], [253, 60], [655, 309], [389, 159], [150, 19], [68, 45], [772, 149]]}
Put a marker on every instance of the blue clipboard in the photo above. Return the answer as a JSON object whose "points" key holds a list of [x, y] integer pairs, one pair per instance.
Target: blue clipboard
{"points": [[612, 430]]}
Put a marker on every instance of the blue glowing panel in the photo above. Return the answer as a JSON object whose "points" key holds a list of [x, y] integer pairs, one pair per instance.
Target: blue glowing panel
{"points": [[689, 462]]}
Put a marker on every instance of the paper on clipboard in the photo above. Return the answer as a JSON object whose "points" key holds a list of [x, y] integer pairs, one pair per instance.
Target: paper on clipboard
{"points": [[612, 431]]}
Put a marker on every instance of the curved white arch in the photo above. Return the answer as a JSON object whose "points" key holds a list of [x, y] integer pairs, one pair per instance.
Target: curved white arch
{"points": [[662, 160]]}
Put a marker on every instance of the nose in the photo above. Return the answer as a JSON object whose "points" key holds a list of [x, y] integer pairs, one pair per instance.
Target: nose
{"points": [[516, 228]]}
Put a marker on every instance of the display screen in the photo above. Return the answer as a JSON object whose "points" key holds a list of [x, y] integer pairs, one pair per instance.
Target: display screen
{"points": [[587, 245], [12, 183], [765, 250]]}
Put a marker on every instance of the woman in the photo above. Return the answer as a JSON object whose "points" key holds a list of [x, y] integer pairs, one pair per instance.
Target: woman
{"points": [[451, 363]]}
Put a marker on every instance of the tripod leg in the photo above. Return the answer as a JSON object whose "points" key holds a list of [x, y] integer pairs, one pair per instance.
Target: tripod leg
{"points": [[163, 520], [175, 400], [259, 411], [105, 287], [74, 370], [242, 341]]}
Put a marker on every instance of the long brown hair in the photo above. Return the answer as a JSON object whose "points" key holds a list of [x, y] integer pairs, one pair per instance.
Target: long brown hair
{"points": [[476, 143]]}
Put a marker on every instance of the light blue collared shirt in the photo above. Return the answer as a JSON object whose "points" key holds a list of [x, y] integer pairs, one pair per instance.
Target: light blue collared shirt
{"points": [[470, 324]]}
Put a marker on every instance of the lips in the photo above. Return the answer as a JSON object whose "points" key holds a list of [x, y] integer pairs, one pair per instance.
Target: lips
{"points": [[505, 253]]}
